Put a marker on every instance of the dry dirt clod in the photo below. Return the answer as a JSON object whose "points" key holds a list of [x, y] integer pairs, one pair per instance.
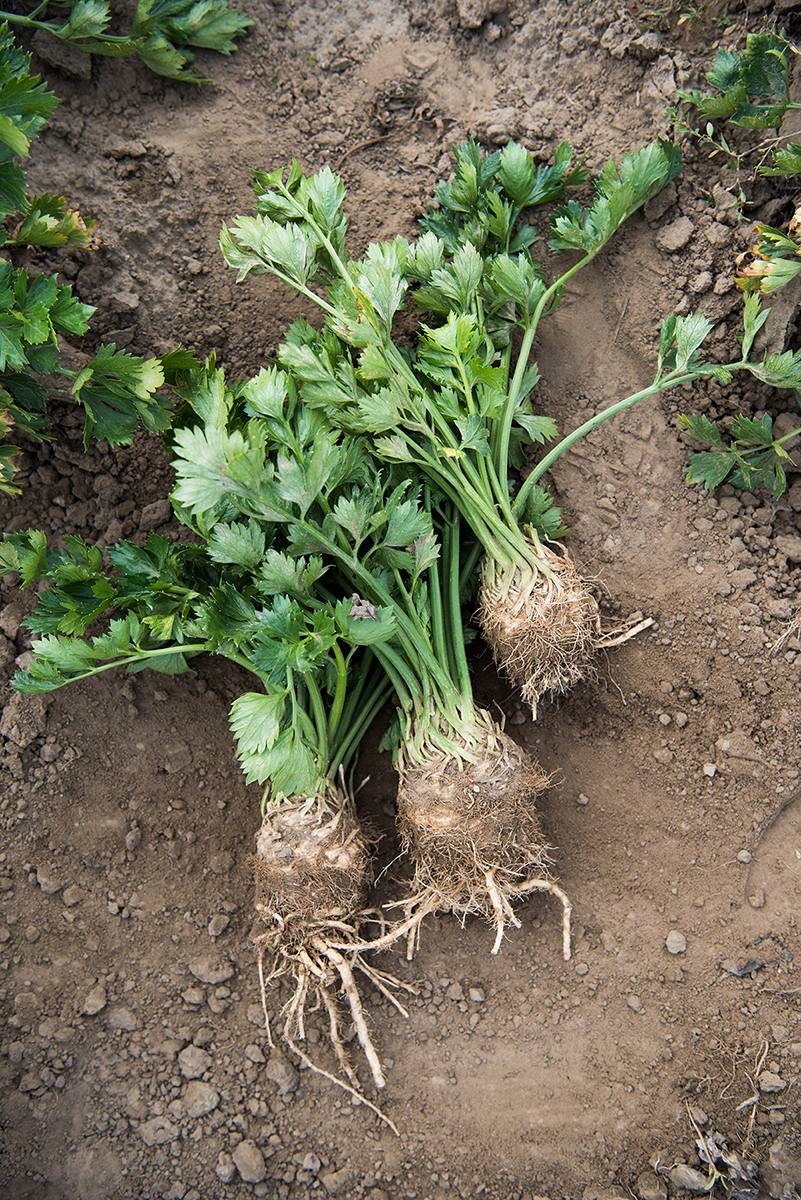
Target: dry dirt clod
{"points": [[249, 1162]]}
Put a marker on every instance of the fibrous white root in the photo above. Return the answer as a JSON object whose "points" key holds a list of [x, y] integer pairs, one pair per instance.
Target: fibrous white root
{"points": [[327, 956]]}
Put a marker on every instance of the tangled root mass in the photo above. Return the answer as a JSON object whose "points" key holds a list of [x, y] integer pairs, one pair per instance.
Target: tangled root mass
{"points": [[472, 831], [544, 629], [312, 876]]}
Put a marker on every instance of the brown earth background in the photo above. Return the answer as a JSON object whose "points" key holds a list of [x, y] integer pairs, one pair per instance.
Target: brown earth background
{"points": [[133, 1057]]}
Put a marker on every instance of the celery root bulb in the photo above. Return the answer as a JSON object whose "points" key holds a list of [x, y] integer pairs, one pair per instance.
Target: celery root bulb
{"points": [[471, 829], [309, 866], [312, 874], [543, 629]]}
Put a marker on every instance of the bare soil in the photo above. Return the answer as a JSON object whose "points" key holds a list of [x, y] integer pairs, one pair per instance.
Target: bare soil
{"points": [[133, 1058]]}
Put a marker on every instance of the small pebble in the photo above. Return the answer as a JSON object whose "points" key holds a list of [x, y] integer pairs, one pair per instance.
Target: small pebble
{"points": [[634, 1003], [676, 942], [95, 1002], [194, 1062], [199, 1099], [687, 1177], [769, 1081], [744, 856], [47, 882], [249, 1162], [650, 1187], [225, 1169], [209, 970]]}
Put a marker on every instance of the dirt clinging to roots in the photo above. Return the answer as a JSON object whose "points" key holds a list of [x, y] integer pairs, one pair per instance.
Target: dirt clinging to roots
{"points": [[457, 824], [312, 872], [304, 866], [543, 629], [471, 829]]}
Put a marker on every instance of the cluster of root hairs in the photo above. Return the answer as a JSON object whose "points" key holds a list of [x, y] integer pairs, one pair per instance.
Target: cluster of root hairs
{"points": [[475, 840], [312, 912], [322, 958], [545, 630]]}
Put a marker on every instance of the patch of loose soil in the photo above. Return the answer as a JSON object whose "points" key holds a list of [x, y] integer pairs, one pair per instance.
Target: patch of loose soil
{"points": [[133, 1057]]}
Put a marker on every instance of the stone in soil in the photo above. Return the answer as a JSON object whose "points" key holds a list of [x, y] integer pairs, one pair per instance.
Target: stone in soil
{"points": [[249, 1162]]}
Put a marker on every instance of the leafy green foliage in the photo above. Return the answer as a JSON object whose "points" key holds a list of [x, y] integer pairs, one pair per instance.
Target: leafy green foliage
{"points": [[118, 391], [750, 87], [162, 31], [752, 459], [620, 191], [25, 105], [310, 569], [482, 204], [451, 408]]}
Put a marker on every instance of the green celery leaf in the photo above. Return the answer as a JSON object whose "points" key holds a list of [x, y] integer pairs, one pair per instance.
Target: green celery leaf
{"points": [[352, 515], [209, 24], [87, 18], [301, 483], [474, 434], [384, 288], [326, 197], [48, 222], [266, 394], [753, 84], [541, 514], [690, 334], [25, 103], [290, 766], [781, 370], [212, 465], [753, 431], [242, 545], [425, 552], [26, 553], [256, 720], [407, 521], [426, 256], [621, 190], [786, 161], [158, 53], [702, 429], [378, 411], [539, 429], [279, 574], [710, 467], [12, 186], [763, 471], [754, 317], [394, 449]]}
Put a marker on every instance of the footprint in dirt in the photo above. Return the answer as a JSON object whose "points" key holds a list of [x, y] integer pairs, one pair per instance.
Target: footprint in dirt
{"points": [[773, 883]]}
